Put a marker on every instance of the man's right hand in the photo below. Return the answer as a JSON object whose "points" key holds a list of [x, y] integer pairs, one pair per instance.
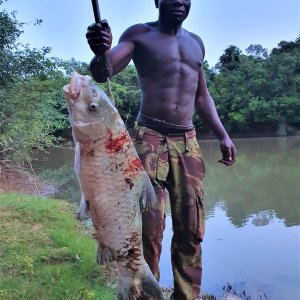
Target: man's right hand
{"points": [[99, 37]]}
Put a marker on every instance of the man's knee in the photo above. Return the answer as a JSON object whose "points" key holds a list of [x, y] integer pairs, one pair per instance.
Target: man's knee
{"points": [[153, 223]]}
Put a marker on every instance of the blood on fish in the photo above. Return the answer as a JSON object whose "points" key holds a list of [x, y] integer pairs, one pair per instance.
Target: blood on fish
{"points": [[134, 252], [129, 182], [115, 144], [134, 166]]}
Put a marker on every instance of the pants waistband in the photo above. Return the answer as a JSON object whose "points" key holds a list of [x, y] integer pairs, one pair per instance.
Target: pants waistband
{"points": [[166, 131], [140, 131]]}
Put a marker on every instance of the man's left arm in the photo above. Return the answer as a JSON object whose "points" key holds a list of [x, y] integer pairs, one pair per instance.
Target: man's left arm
{"points": [[206, 109]]}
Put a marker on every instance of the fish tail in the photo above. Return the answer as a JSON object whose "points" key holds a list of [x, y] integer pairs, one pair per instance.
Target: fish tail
{"points": [[143, 286], [104, 255]]}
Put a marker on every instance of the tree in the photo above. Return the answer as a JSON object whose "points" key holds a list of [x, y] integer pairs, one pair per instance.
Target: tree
{"points": [[31, 115], [259, 92], [31, 106], [285, 46], [257, 51], [127, 94], [253, 92], [230, 59], [17, 59]]}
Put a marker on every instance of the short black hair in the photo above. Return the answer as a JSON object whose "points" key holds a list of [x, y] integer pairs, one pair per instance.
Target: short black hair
{"points": [[156, 3]]}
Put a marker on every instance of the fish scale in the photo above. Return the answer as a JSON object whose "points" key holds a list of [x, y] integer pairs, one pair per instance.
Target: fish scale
{"points": [[109, 194], [115, 188]]}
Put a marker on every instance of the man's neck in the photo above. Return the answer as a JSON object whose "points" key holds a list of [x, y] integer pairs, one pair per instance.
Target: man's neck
{"points": [[169, 28]]}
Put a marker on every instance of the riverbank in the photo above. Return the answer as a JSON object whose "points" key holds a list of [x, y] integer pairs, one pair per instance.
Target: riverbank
{"points": [[25, 181], [47, 254], [44, 249]]}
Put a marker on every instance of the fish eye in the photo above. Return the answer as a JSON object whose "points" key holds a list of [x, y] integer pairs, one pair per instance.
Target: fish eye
{"points": [[93, 106]]}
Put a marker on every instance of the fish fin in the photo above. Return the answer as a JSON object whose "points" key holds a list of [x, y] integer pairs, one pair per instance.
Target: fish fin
{"points": [[143, 286], [66, 89], [83, 212], [70, 100], [148, 197], [76, 158], [104, 255]]}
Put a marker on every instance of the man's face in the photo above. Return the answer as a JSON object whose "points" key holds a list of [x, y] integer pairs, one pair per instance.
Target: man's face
{"points": [[174, 9]]}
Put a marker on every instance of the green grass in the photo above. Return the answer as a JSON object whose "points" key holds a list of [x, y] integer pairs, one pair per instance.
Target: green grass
{"points": [[45, 253]]}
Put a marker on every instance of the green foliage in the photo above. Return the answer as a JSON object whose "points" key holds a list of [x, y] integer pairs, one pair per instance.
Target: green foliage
{"points": [[257, 51], [72, 65], [259, 92], [9, 30], [254, 92], [230, 59], [126, 92], [33, 109]]}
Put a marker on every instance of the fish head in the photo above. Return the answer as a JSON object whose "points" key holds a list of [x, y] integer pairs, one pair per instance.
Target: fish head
{"points": [[90, 109]]}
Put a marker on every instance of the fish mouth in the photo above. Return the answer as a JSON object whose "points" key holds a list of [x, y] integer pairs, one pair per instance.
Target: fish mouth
{"points": [[77, 83], [88, 131], [86, 123]]}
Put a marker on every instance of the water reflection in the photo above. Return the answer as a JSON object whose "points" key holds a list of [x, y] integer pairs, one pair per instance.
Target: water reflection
{"points": [[264, 182], [252, 211], [56, 166]]}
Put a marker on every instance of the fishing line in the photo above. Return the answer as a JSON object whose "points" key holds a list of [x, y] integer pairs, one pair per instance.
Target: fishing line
{"points": [[97, 17], [110, 92]]}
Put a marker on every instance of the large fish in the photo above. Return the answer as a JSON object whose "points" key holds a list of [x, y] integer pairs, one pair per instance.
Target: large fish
{"points": [[113, 183]]}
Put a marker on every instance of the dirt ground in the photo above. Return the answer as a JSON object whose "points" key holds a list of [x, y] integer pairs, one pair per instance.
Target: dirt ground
{"points": [[23, 181]]}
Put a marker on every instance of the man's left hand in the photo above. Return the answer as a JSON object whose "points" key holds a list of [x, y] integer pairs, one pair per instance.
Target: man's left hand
{"points": [[228, 152]]}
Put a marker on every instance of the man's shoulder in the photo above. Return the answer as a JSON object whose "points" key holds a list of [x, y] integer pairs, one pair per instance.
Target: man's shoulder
{"points": [[135, 30], [197, 39]]}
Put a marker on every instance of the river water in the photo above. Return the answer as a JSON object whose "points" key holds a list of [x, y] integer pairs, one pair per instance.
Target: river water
{"points": [[252, 239]]}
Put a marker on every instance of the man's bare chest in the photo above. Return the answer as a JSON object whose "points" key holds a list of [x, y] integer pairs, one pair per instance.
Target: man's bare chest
{"points": [[162, 51]]}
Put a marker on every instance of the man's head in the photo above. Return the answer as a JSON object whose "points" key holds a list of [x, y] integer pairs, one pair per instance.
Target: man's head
{"points": [[174, 9]]}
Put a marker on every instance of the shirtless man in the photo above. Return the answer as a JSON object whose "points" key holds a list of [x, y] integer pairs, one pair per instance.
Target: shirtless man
{"points": [[169, 61]]}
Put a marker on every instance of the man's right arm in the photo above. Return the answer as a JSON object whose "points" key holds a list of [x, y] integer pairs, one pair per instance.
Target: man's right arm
{"points": [[108, 62]]}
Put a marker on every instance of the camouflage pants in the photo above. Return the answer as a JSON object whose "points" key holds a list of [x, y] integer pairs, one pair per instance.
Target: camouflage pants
{"points": [[174, 162]]}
